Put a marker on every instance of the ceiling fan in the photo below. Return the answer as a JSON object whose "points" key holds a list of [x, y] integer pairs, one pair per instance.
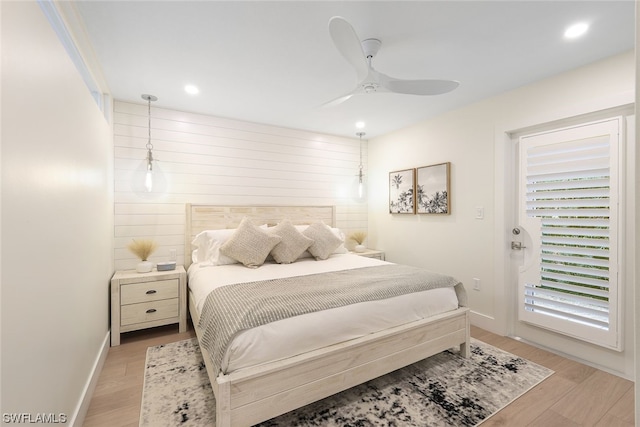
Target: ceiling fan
{"points": [[360, 55]]}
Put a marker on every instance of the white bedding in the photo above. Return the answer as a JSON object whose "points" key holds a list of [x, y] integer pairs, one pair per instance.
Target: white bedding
{"points": [[300, 334]]}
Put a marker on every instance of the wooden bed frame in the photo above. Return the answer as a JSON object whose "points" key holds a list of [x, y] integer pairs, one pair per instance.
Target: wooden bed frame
{"points": [[252, 395]]}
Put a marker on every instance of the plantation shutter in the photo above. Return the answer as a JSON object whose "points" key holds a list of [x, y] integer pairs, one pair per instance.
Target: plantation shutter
{"points": [[570, 191]]}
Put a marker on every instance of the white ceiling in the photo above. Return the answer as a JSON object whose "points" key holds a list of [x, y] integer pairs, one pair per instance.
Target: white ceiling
{"points": [[275, 63]]}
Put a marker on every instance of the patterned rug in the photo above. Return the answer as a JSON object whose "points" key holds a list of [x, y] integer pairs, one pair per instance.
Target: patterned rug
{"points": [[443, 390]]}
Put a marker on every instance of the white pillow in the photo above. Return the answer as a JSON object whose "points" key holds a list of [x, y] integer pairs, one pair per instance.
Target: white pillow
{"points": [[208, 244], [325, 242], [340, 235], [250, 244], [292, 245]]}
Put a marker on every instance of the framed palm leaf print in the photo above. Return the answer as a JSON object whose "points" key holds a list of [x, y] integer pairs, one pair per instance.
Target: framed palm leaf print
{"points": [[433, 193], [401, 192]]}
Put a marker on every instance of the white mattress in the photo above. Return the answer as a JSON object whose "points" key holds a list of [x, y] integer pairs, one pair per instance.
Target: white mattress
{"points": [[289, 337]]}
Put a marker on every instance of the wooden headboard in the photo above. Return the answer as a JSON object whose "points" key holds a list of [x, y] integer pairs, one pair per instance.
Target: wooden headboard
{"points": [[213, 217]]}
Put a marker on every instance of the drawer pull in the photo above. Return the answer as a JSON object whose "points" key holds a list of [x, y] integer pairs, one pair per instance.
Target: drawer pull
{"points": [[151, 292], [151, 310]]}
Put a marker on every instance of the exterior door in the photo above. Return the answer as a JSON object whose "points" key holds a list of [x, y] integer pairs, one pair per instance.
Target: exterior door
{"points": [[567, 232]]}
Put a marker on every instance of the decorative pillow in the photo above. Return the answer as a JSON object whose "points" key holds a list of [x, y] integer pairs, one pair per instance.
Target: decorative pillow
{"points": [[325, 242], [208, 245], [249, 244], [292, 245], [341, 249]]}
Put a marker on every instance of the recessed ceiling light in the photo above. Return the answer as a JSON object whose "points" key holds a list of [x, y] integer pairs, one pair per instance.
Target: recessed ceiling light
{"points": [[191, 89], [360, 125], [576, 30]]}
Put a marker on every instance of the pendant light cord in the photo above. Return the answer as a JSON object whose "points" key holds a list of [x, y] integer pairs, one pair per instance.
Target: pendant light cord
{"points": [[149, 98], [149, 144]]}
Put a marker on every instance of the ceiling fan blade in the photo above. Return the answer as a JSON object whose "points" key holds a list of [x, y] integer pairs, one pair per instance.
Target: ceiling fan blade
{"points": [[418, 87], [347, 42], [339, 100]]}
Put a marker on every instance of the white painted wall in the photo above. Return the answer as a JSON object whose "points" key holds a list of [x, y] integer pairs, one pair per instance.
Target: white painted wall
{"points": [[220, 161], [637, 225], [459, 244], [56, 222]]}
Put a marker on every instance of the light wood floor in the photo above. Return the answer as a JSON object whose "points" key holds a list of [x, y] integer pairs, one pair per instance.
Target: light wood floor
{"points": [[576, 395]]}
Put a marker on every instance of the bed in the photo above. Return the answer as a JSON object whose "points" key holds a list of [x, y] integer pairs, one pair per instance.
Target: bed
{"points": [[264, 372]]}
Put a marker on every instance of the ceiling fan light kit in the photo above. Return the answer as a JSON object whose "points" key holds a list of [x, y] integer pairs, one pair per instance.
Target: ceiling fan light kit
{"points": [[370, 48], [360, 55]]}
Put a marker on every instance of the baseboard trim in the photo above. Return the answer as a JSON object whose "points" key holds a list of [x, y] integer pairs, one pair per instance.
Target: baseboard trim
{"points": [[77, 419], [485, 322], [611, 371]]}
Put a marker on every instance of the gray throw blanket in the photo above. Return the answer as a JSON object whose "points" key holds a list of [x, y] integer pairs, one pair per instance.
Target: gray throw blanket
{"points": [[234, 308]]}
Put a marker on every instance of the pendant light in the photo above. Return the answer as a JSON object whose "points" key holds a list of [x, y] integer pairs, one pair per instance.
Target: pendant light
{"points": [[360, 187], [148, 178]]}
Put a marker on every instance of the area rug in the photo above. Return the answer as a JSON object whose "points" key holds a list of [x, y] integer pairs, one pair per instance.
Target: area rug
{"points": [[443, 390]]}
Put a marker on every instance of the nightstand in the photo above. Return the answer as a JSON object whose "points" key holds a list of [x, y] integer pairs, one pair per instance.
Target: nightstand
{"points": [[371, 253], [145, 300]]}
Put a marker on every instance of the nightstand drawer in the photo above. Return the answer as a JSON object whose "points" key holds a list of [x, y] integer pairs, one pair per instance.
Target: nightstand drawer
{"points": [[149, 311], [148, 291]]}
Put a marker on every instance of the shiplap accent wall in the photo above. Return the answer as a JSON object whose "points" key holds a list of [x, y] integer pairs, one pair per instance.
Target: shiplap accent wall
{"points": [[210, 160]]}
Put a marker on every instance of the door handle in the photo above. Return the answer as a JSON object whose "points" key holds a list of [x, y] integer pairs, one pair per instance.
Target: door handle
{"points": [[517, 246]]}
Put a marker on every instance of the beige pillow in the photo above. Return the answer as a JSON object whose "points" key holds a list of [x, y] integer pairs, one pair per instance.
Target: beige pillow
{"points": [[341, 249], [292, 245], [249, 244], [324, 240]]}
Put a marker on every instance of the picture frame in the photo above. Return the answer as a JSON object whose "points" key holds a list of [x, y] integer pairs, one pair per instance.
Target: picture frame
{"points": [[401, 191], [433, 189]]}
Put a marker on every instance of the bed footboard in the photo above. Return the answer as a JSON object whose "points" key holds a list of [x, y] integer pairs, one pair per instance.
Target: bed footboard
{"points": [[252, 395]]}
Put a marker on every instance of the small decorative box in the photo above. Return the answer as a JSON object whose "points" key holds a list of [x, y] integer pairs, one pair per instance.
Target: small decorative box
{"points": [[166, 266]]}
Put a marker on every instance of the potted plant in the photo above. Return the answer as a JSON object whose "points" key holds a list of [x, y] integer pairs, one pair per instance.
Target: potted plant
{"points": [[143, 249], [358, 237]]}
